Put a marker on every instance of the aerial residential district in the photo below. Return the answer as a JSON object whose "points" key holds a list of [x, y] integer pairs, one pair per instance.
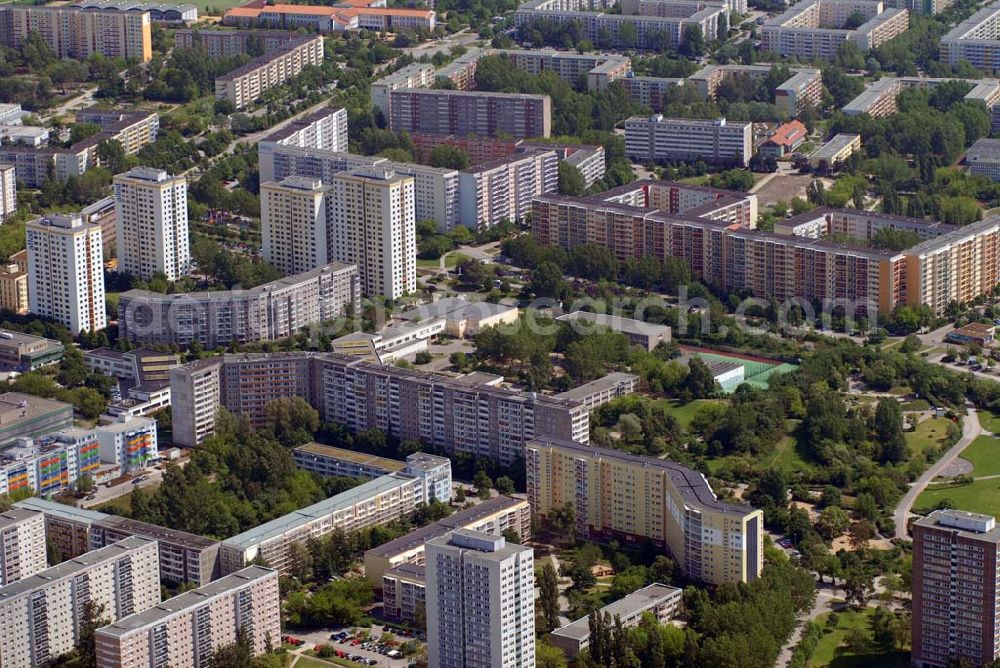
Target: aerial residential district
{"points": [[500, 334]]}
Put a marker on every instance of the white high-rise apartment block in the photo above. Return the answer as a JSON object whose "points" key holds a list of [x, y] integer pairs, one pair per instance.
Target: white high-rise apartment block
{"points": [[293, 224], [8, 192], [372, 224], [22, 544], [480, 602], [40, 615], [152, 223], [66, 272]]}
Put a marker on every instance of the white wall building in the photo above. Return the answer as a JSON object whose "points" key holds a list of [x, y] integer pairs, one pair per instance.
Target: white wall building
{"points": [[8, 192], [658, 139], [22, 534], [372, 224], [151, 221], [130, 443], [293, 224], [480, 602], [66, 272]]}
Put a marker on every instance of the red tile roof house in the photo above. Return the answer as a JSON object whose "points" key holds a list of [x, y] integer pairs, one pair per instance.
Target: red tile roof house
{"points": [[785, 139]]}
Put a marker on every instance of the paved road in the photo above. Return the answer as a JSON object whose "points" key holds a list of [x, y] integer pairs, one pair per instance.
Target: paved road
{"points": [[825, 594], [970, 430], [83, 99], [104, 494], [460, 38]]}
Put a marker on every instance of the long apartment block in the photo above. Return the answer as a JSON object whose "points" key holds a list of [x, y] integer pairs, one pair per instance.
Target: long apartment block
{"points": [[269, 312], [879, 97], [184, 557], [815, 29], [325, 130], [619, 496], [451, 414], [976, 39], [41, 614], [245, 84], [495, 516], [798, 261], [659, 139], [187, 630], [222, 43], [599, 69], [384, 499], [605, 29], [22, 537], [803, 88], [79, 33], [66, 527], [359, 15], [470, 112]]}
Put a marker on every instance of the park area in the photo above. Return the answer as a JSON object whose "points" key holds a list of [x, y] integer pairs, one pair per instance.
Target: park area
{"points": [[847, 643], [756, 370], [977, 491]]}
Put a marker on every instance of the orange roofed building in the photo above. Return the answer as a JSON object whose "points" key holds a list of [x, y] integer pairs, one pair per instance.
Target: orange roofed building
{"points": [[348, 15], [785, 139]]}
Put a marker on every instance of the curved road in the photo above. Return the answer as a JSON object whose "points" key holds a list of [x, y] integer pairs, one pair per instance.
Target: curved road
{"points": [[970, 430]]}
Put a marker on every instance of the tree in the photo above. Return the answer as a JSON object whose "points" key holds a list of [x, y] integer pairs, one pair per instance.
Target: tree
{"points": [[85, 484], [832, 522], [548, 598], [888, 428], [773, 485], [692, 41], [547, 281], [483, 484], [571, 181], [505, 485], [700, 383], [92, 619], [300, 562], [449, 156], [237, 655], [547, 656], [292, 419]]}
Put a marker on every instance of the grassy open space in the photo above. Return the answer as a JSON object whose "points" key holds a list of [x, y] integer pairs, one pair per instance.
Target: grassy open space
{"points": [[123, 503], [927, 435], [982, 496], [450, 260], [221, 5], [989, 421], [685, 412], [786, 454], [984, 453], [829, 651]]}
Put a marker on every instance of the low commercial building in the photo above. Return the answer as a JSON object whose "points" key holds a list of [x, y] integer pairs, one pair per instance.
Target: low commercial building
{"points": [[28, 416], [404, 594], [494, 516], [661, 601], [245, 84], [658, 139], [159, 12], [269, 312], [25, 352], [139, 366], [983, 158], [184, 557], [646, 335], [40, 614], [463, 318], [633, 499], [603, 390], [391, 343], [187, 629], [974, 332], [22, 534], [66, 527], [785, 139], [384, 499], [830, 155]]}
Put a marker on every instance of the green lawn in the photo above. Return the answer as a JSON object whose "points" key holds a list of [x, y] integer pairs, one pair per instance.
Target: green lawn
{"points": [[984, 453], [829, 651], [221, 5], [450, 261], [982, 496], [990, 421], [786, 455], [685, 412], [927, 435]]}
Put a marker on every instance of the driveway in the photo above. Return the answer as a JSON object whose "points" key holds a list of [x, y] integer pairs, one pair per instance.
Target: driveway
{"points": [[970, 430], [104, 494]]}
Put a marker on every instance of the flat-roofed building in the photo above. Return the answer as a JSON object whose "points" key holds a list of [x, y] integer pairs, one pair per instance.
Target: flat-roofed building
{"points": [[831, 154], [983, 158], [28, 416], [463, 318], [159, 12], [40, 615], [130, 443], [976, 40], [661, 601], [503, 189], [151, 224], [659, 139], [470, 112], [377, 501], [25, 352], [184, 557], [414, 75], [77, 33], [404, 594], [646, 335], [187, 629], [8, 192], [22, 535], [13, 289], [494, 516], [632, 498], [245, 84], [817, 28], [66, 527], [324, 130], [330, 461], [50, 464], [603, 390]]}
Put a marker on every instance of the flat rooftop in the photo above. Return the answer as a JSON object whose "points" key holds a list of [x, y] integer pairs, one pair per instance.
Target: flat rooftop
{"points": [[453, 308], [12, 339], [984, 149], [61, 510], [636, 602], [462, 518], [187, 601], [71, 567], [352, 456], [156, 532], [618, 323], [277, 527], [965, 524], [411, 572], [16, 408], [837, 144], [301, 123], [609, 381], [16, 515]]}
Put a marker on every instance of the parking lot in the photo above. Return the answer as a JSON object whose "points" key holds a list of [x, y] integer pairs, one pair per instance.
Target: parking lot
{"points": [[364, 653]]}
